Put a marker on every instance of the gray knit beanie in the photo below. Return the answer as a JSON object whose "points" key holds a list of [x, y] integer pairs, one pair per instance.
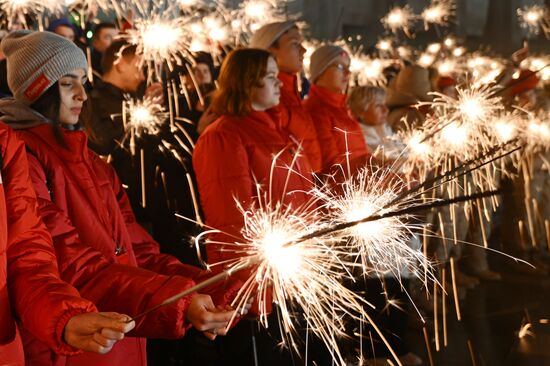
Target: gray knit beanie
{"points": [[322, 58], [268, 34], [37, 60]]}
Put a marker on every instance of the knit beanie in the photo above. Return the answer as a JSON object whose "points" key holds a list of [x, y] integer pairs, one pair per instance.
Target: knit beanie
{"points": [[322, 58], [268, 34], [37, 60]]}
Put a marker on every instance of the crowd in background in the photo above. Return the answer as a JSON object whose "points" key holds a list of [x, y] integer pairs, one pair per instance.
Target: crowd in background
{"points": [[89, 220]]}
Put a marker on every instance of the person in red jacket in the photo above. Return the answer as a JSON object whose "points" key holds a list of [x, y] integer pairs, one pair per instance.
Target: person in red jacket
{"points": [[340, 135], [100, 248], [284, 41], [234, 155], [30, 287]]}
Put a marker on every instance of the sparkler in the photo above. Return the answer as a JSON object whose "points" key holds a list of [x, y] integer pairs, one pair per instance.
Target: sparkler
{"points": [[17, 9], [382, 245], [438, 13], [159, 35], [399, 18], [253, 14], [533, 18], [141, 118]]}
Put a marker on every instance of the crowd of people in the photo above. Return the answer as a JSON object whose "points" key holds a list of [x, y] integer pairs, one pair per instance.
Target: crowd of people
{"points": [[89, 236]]}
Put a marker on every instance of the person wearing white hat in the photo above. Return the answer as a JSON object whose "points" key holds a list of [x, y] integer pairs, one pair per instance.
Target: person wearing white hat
{"points": [[284, 41]]}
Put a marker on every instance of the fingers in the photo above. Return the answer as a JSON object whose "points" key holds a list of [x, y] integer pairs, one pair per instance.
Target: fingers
{"points": [[116, 322], [105, 343]]}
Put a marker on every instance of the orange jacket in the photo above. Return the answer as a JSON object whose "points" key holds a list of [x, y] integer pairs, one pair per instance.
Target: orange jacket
{"points": [[29, 277], [339, 134], [297, 121]]}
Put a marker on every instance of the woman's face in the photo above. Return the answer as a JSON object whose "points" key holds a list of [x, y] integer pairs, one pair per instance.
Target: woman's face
{"points": [[73, 95], [336, 77], [375, 113], [267, 95]]}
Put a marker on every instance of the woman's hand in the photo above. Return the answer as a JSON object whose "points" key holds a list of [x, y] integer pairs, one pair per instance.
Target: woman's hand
{"points": [[207, 318], [96, 332]]}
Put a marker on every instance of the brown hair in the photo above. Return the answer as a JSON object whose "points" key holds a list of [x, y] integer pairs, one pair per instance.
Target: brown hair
{"points": [[119, 48], [241, 71]]}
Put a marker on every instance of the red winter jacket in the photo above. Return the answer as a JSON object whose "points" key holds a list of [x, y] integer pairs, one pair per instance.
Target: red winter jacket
{"points": [[297, 121], [230, 157], [29, 278], [331, 116], [88, 214]]}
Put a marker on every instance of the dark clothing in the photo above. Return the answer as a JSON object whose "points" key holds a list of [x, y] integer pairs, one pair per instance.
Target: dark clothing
{"points": [[166, 167], [4, 88], [96, 57]]}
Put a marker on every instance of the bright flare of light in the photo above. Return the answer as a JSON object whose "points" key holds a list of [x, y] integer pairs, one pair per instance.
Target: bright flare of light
{"points": [[438, 12], [384, 45], [533, 18], [399, 18], [426, 60], [455, 134], [382, 245], [306, 274], [141, 118], [159, 40], [433, 48], [506, 130], [17, 9]]}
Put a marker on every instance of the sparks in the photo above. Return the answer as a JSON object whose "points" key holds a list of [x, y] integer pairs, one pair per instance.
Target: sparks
{"points": [[438, 13], [533, 18], [141, 118], [399, 18]]}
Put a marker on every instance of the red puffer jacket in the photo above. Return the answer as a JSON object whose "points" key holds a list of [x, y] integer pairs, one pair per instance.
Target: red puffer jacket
{"points": [[297, 121], [101, 249], [29, 278], [231, 157], [339, 134]]}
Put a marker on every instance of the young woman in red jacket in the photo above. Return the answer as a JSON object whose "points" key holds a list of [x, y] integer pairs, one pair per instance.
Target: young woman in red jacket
{"points": [[100, 248], [233, 156], [30, 288], [340, 135]]}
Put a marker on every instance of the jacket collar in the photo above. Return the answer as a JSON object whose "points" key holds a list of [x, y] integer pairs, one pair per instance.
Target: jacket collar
{"points": [[76, 142], [268, 118], [289, 82], [336, 100]]}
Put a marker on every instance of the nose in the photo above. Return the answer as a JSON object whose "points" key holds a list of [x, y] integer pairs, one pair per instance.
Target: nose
{"points": [[80, 94]]}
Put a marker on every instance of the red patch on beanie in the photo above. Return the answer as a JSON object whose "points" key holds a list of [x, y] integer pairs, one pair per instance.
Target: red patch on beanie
{"points": [[36, 88]]}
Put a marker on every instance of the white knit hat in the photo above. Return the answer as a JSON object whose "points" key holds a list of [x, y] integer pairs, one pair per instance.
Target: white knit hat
{"points": [[268, 34], [322, 58], [37, 60]]}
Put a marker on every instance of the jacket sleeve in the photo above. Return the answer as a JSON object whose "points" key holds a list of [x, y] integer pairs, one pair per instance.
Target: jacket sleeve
{"points": [[148, 255], [111, 286], [42, 301]]}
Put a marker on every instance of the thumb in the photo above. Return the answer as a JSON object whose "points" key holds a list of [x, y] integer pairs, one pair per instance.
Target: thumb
{"points": [[115, 321]]}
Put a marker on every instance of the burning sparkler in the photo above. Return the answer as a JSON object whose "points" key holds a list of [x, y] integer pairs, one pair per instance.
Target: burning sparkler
{"points": [[159, 35], [399, 18], [438, 13], [141, 118], [16, 10], [533, 18]]}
